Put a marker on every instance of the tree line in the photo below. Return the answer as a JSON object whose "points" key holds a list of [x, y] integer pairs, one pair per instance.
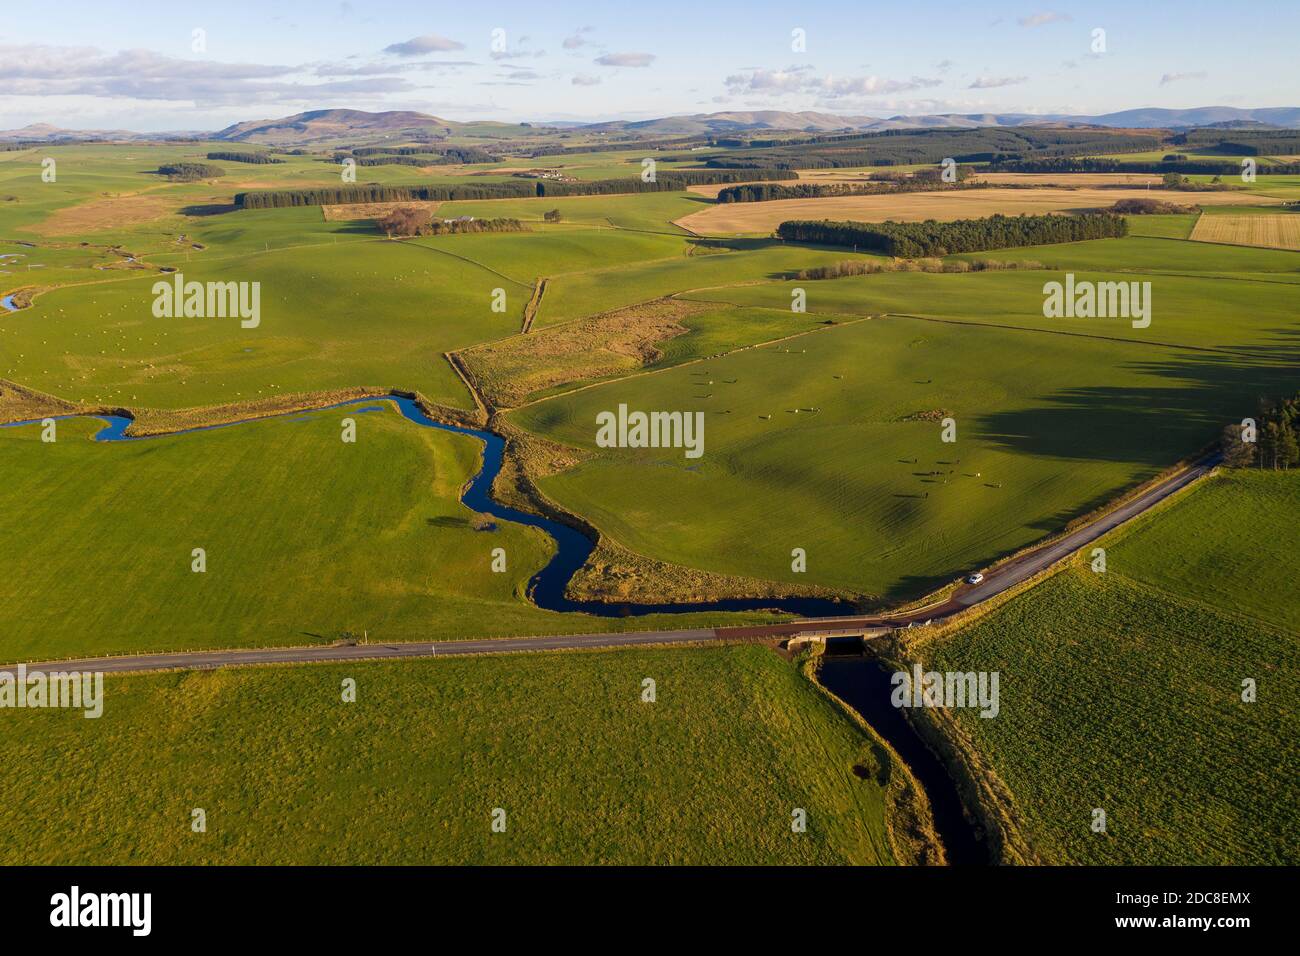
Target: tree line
{"points": [[1274, 445], [1064, 164], [190, 172], [908, 147], [416, 156], [522, 189], [244, 157], [765, 192], [1243, 142], [912, 240], [410, 221]]}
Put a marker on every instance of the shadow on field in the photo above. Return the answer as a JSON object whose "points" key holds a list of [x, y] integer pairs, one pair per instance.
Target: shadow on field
{"points": [[209, 209], [1191, 397]]}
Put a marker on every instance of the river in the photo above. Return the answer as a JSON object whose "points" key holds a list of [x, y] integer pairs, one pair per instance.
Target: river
{"points": [[864, 684]]}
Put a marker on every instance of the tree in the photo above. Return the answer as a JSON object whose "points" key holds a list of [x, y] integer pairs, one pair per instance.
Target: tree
{"points": [[1288, 449], [1236, 453], [552, 215], [1268, 444]]}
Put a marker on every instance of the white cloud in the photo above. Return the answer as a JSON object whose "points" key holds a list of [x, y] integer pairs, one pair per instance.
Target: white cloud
{"points": [[48, 71], [583, 80], [429, 43], [800, 80], [1177, 77], [625, 59], [993, 82]]}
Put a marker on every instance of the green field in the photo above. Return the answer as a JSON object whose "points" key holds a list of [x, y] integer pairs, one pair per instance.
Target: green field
{"points": [[709, 773], [1119, 690], [372, 313], [1122, 691], [307, 540], [1218, 546], [859, 476]]}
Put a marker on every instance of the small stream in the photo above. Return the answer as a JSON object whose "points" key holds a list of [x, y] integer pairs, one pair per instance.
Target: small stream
{"points": [[547, 587], [861, 682], [864, 684]]}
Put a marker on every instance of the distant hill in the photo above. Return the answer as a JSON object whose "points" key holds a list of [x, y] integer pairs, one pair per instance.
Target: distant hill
{"points": [[45, 133], [322, 125], [1152, 118], [1146, 118], [320, 128]]}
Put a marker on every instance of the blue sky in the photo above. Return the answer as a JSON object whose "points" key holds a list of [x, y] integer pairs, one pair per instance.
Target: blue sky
{"points": [[104, 65]]}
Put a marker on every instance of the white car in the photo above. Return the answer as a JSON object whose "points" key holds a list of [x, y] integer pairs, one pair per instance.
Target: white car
{"points": [[975, 578]]}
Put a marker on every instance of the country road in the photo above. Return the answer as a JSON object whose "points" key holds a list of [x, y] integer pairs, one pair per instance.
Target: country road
{"points": [[1005, 577]]}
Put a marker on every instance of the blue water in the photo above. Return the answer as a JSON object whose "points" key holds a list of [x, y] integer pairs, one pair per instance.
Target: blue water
{"points": [[547, 587], [8, 303]]}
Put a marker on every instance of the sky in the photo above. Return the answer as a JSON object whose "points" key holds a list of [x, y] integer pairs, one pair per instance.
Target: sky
{"points": [[180, 65]]}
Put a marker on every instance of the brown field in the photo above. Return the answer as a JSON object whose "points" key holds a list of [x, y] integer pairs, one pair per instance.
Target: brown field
{"points": [[104, 214], [1277, 232], [1067, 179], [373, 210], [511, 370], [764, 217], [860, 175]]}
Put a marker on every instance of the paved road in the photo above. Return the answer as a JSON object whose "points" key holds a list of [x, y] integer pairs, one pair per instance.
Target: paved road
{"points": [[1008, 575]]}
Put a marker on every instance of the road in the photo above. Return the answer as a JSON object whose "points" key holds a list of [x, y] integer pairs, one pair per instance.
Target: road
{"points": [[1005, 577]]}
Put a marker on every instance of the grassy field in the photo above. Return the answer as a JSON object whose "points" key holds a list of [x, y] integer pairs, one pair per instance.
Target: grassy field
{"points": [[1122, 691], [653, 335], [372, 313], [412, 771], [306, 538], [1249, 318], [1162, 226], [858, 475], [1215, 546]]}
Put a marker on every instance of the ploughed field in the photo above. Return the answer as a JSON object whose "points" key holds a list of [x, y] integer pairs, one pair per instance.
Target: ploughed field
{"points": [[1122, 691]]}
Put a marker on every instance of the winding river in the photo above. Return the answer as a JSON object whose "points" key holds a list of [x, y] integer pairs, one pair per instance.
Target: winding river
{"points": [[860, 683], [547, 587]]}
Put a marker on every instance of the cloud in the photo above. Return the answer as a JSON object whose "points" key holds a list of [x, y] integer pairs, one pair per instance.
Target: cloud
{"points": [[583, 80], [799, 80], [993, 82], [943, 66], [1043, 19], [429, 43], [387, 69], [144, 75], [516, 54], [1176, 77], [576, 39], [625, 59]]}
